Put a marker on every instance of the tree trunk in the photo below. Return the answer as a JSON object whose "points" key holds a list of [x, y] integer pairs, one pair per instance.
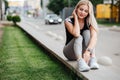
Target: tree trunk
{"points": [[119, 14], [111, 20], [119, 11], [0, 9]]}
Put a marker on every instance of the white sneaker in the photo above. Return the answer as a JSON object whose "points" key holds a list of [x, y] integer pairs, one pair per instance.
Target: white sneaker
{"points": [[93, 63], [82, 66]]}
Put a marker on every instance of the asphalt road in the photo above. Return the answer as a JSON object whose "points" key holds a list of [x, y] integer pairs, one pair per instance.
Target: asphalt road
{"points": [[108, 40]]}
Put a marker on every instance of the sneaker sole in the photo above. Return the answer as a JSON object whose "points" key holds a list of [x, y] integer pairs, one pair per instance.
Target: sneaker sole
{"points": [[85, 70], [94, 68]]}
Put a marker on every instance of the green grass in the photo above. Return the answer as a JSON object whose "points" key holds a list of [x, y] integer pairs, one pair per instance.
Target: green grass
{"points": [[107, 23], [21, 59]]}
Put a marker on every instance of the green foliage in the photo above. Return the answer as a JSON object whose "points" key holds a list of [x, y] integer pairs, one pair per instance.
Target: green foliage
{"points": [[73, 2], [15, 18], [95, 2], [9, 17], [41, 3], [28, 12], [57, 5], [118, 3], [107, 22]]}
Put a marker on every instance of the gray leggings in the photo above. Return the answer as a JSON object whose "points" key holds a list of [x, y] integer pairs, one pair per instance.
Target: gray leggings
{"points": [[76, 46]]}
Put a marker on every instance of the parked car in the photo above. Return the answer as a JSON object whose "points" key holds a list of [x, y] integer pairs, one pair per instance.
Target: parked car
{"points": [[52, 18]]}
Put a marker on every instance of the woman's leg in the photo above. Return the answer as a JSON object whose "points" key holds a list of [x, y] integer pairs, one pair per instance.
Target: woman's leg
{"points": [[92, 63], [86, 40], [73, 50]]}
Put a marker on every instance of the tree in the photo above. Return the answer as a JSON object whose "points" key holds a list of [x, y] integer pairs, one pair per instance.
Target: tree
{"points": [[9, 17], [0, 9], [70, 3], [95, 2], [74, 2], [14, 18], [6, 5], [41, 3], [112, 11], [118, 4], [56, 5]]}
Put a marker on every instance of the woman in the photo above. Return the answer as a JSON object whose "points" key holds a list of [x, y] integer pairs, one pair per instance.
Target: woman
{"points": [[81, 36]]}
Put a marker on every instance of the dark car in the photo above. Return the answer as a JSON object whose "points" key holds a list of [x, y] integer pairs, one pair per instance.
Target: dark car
{"points": [[52, 18]]}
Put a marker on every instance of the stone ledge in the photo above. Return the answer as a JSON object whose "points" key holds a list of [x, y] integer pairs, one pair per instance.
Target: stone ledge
{"points": [[104, 73]]}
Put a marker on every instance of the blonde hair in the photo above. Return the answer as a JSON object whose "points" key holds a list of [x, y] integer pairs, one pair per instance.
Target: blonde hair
{"points": [[90, 18]]}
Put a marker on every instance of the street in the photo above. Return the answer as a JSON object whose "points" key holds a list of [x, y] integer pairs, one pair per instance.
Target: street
{"points": [[108, 40]]}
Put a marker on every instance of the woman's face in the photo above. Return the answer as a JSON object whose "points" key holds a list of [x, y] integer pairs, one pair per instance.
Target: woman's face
{"points": [[82, 11]]}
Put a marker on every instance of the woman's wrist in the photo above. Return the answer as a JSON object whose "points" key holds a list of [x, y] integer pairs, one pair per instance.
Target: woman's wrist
{"points": [[89, 50]]}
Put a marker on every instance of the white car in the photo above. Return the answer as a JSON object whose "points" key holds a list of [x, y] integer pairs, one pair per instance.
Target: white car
{"points": [[52, 18]]}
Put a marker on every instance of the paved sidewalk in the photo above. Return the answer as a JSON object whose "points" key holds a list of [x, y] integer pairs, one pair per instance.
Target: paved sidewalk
{"points": [[55, 45]]}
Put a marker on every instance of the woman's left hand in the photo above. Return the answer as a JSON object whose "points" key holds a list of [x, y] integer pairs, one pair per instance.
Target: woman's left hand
{"points": [[86, 56]]}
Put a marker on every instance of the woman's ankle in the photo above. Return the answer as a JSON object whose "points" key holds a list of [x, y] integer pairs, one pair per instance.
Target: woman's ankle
{"points": [[92, 55]]}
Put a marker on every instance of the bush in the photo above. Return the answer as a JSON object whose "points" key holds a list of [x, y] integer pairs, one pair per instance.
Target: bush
{"points": [[9, 17], [15, 18]]}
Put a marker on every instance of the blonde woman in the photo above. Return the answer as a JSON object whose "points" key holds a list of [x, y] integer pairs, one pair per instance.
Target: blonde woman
{"points": [[81, 36]]}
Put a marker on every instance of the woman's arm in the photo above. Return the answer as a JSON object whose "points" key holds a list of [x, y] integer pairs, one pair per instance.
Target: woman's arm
{"points": [[93, 38], [73, 29]]}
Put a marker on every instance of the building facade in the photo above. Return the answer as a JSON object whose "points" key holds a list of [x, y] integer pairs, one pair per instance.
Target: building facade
{"points": [[30, 6]]}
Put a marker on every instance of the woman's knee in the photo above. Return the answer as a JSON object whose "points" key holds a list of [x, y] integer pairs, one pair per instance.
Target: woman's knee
{"points": [[69, 53], [79, 40], [86, 33], [86, 36]]}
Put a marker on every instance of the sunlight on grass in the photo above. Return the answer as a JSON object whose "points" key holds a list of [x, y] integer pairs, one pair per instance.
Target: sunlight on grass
{"points": [[21, 59]]}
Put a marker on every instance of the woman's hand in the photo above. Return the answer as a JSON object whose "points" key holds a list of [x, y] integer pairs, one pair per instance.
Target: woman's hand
{"points": [[74, 14], [86, 56]]}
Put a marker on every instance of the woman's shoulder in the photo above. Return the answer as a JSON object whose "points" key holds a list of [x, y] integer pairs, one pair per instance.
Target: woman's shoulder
{"points": [[70, 19]]}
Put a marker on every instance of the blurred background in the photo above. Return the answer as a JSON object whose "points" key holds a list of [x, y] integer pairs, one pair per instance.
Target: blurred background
{"points": [[105, 10], [36, 17]]}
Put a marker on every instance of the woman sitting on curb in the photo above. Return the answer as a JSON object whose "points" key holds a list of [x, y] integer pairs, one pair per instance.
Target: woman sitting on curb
{"points": [[81, 36]]}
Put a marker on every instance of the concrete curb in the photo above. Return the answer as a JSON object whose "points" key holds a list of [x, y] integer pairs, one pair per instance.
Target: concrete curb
{"points": [[104, 73], [55, 54]]}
